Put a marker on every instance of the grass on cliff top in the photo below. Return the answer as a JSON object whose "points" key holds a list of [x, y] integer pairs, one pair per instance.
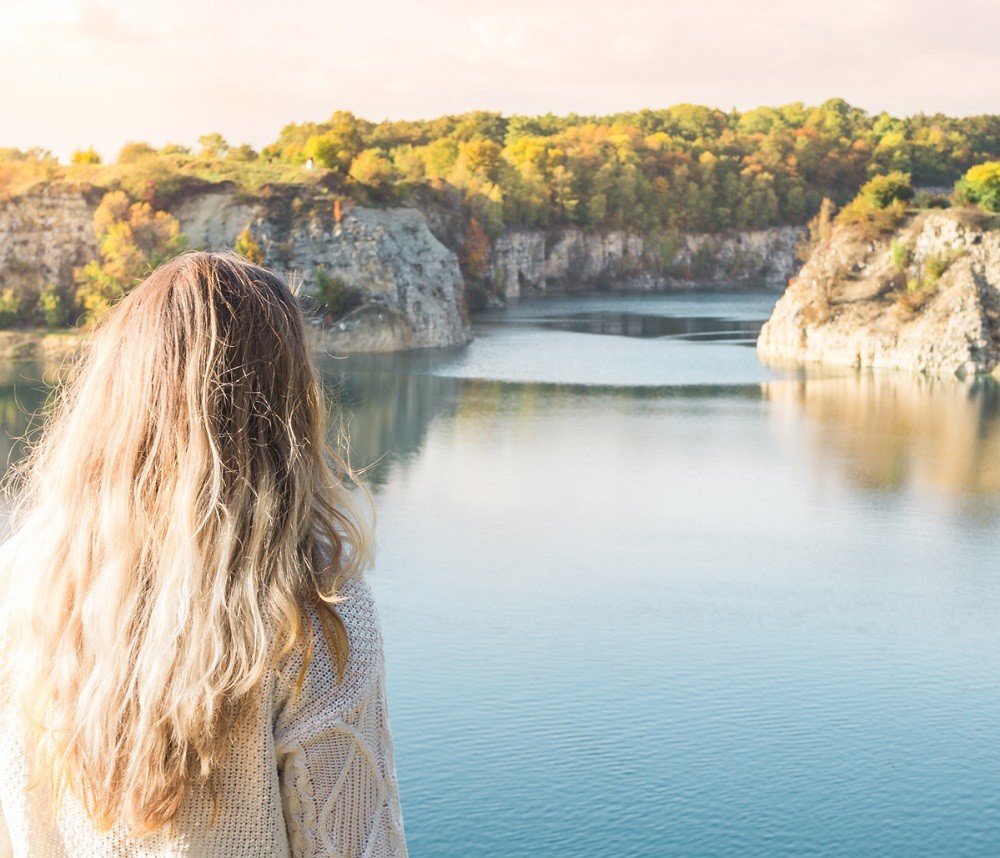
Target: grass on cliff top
{"points": [[162, 178]]}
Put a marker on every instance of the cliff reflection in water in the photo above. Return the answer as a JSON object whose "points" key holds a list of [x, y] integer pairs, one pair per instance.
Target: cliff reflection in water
{"points": [[25, 387], [894, 431], [387, 402]]}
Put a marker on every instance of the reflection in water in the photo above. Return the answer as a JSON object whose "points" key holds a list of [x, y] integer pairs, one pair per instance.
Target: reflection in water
{"points": [[893, 431], [25, 388], [389, 402], [387, 405], [584, 537], [701, 328]]}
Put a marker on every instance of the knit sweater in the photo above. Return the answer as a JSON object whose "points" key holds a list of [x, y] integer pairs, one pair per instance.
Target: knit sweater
{"points": [[306, 774]]}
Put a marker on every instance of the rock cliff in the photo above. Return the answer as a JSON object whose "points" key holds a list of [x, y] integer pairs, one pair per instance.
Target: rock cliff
{"points": [[408, 283], [43, 236], [410, 286], [526, 261], [926, 298]]}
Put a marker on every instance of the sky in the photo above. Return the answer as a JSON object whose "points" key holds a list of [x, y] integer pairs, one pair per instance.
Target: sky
{"points": [[77, 73]]}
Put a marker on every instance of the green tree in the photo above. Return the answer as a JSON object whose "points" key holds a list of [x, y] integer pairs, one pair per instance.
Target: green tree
{"points": [[212, 145], [880, 191], [132, 152], [54, 306], [243, 152], [247, 247], [85, 156], [373, 168], [10, 307], [981, 184]]}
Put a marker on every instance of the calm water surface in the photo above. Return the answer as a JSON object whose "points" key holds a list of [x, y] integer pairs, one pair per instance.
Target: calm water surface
{"points": [[642, 596]]}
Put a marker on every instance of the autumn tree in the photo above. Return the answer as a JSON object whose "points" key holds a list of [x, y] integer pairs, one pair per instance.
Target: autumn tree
{"points": [[85, 156], [132, 240], [373, 168], [475, 252], [247, 247], [133, 152], [212, 145], [981, 184]]}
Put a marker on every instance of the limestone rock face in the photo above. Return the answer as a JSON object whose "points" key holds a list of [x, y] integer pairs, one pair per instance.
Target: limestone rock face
{"points": [[850, 305], [411, 285], [519, 262], [407, 275], [44, 236], [526, 261]]}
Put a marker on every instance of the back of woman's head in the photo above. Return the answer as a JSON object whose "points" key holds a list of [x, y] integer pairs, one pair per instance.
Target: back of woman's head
{"points": [[179, 519]]}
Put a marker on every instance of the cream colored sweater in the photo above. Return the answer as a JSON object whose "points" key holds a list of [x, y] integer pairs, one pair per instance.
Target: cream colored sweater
{"points": [[310, 774]]}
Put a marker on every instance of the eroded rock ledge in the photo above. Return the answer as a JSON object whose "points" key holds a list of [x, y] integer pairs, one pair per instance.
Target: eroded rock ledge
{"points": [[925, 299]]}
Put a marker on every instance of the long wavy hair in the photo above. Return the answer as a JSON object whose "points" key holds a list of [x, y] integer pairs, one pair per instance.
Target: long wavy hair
{"points": [[179, 522]]}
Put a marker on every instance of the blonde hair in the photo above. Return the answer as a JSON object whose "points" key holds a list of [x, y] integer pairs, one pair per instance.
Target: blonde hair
{"points": [[180, 519]]}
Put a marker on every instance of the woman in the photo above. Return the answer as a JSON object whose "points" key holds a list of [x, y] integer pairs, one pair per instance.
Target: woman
{"points": [[192, 663]]}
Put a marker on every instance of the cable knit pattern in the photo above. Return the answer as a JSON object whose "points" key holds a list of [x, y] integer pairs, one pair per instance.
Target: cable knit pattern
{"points": [[308, 774]]}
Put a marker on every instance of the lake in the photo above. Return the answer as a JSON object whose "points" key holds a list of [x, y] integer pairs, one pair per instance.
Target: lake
{"points": [[642, 596]]}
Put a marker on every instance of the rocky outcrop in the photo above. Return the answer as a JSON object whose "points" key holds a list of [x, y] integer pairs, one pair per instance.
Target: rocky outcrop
{"points": [[43, 237], [925, 299], [410, 286], [526, 261], [412, 283]]}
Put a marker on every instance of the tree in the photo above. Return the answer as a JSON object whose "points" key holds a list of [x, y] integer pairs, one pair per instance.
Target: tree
{"points": [[54, 306], [880, 204], [132, 152], [213, 145], [327, 150], [880, 191], [132, 240], [372, 168], [243, 152], [247, 247], [981, 184], [85, 156], [475, 253]]}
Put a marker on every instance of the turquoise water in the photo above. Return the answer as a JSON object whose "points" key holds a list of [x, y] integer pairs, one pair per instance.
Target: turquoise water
{"points": [[643, 596]]}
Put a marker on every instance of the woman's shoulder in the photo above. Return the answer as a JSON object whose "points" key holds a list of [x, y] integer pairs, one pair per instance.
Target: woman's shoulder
{"points": [[318, 694]]}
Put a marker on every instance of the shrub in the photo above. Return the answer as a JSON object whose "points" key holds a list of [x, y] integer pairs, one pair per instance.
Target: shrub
{"points": [[981, 185], [934, 267], [872, 221], [10, 308], [247, 247], [900, 255], [335, 298], [474, 254], [54, 306], [818, 230], [881, 191], [243, 152]]}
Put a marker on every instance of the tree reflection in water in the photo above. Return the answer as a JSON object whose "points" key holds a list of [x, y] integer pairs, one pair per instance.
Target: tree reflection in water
{"points": [[894, 431]]}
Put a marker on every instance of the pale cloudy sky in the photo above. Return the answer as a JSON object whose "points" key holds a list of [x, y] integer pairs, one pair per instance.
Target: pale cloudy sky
{"points": [[102, 72]]}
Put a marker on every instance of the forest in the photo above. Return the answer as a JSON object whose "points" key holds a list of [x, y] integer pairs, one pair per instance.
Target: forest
{"points": [[687, 167]]}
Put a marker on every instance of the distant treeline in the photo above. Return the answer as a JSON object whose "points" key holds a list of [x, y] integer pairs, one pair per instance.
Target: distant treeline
{"points": [[687, 167]]}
